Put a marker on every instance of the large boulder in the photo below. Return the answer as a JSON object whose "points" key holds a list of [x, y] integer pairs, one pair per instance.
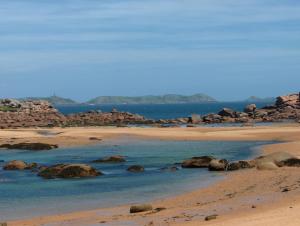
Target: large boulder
{"points": [[197, 162], [292, 100], [69, 171], [30, 146], [136, 169], [111, 159], [15, 165], [227, 112], [218, 165]]}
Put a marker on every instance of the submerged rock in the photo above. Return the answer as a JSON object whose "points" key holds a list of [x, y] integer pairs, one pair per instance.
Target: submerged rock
{"points": [[111, 159], [141, 208], [136, 169], [30, 146], [69, 171], [197, 162]]}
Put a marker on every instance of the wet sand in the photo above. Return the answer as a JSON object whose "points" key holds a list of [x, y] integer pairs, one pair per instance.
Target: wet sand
{"points": [[246, 197]]}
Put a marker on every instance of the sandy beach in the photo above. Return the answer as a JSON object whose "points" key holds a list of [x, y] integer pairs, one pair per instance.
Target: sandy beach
{"points": [[246, 197]]}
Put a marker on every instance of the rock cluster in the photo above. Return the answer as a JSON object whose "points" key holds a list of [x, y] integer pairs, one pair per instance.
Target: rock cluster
{"points": [[19, 165], [95, 118], [29, 146], [267, 162]]}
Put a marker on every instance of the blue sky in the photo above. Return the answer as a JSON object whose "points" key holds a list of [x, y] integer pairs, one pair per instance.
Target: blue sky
{"points": [[229, 49]]}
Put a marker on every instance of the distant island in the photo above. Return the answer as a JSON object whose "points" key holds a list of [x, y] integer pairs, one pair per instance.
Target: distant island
{"points": [[164, 99], [255, 99]]}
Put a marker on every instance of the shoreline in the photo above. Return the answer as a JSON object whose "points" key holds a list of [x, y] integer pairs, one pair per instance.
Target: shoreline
{"points": [[185, 209]]}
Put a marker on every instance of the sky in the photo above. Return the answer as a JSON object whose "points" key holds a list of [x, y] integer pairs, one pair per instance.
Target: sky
{"points": [[228, 49]]}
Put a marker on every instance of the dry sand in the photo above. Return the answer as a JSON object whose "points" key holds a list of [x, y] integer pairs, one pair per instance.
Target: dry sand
{"points": [[246, 197]]}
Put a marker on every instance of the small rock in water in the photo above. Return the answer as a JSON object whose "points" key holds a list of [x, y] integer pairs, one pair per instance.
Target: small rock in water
{"points": [[140, 208], [211, 217], [111, 159], [136, 169]]}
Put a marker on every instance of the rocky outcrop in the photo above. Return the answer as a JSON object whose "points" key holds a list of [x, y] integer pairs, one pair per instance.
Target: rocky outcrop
{"points": [[30, 146], [14, 114], [111, 159], [68, 171]]}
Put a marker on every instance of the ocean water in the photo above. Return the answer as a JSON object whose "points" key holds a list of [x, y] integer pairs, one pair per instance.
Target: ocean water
{"points": [[160, 111], [24, 195]]}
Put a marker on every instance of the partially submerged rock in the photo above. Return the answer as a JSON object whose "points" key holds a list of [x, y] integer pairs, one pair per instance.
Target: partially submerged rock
{"points": [[111, 159], [197, 162], [141, 208], [15, 165], [69, 171], [30, 146], [136, 169]]}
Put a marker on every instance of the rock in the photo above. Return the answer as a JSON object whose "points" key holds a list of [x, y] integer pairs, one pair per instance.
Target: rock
{"points": [[292, 162], [170, 169], [212, 118], [136, 169], [95, 138], [69, 171], [141, 208], [211, 217], [32, 166], [240, 165], [227, 112], [250, 108], [111, 159], [3, 224], [266, 166], [30, 146], [218, 165], [275, 158], [194, 119], [288, 100], [15, 165], [197, 162]]}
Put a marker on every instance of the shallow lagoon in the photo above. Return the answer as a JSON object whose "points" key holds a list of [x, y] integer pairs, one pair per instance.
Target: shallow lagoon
{"points": [[23, 194]]}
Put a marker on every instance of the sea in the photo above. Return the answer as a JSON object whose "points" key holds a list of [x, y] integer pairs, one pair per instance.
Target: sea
{"points": [[160, 111], [25, 195]]}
